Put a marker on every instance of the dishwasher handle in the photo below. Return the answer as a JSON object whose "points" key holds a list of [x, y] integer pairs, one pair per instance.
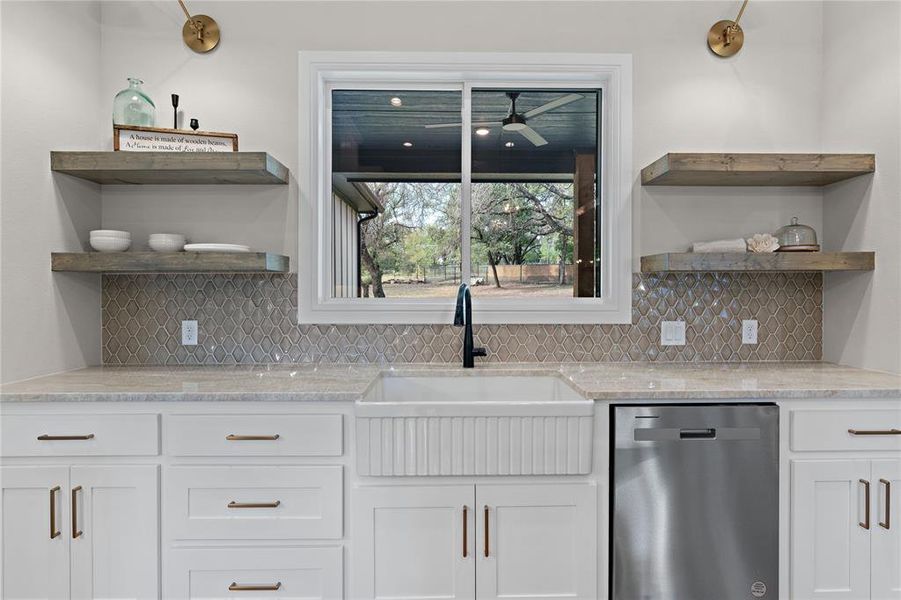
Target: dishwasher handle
{"points": [[689, 434], [697, 434]]}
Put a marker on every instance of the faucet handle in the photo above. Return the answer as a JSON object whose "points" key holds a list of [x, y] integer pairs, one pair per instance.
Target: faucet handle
{"points": [[459, 319], [480, 351]]}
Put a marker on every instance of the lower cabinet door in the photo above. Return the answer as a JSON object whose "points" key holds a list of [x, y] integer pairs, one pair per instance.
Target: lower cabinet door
{"points": [[246, 573], [114, 532], [830, 535], [536, 541], [34, 517], [414, 542], [886, 532]]}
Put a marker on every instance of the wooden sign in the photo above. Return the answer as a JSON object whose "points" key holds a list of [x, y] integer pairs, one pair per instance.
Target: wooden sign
{"points": [[131, 138]]}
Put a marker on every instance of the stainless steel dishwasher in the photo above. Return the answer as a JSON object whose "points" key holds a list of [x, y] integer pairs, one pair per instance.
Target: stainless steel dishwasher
{"points": [[695, 502]]}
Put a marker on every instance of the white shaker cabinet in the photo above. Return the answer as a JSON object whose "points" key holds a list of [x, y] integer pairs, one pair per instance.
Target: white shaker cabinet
{"points": [[414, 542], [251, 573], [830, 549], [844, 515], [886, 531], [845, 533], [480, 541], [536, 541], [80, 532], [33, 514], [116, 552]]}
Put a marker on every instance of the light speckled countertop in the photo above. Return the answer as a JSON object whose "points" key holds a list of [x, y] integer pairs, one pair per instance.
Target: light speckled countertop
{"points": [[600, 381]]}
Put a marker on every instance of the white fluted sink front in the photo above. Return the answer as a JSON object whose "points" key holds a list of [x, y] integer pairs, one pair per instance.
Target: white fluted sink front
{"points": [[473, 424]]}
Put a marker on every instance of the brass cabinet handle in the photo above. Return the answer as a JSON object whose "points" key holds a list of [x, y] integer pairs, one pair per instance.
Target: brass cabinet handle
{"points": [[233, 437], [875, 431], [54, 532], [254, 587], [486, 531], [465, 532], [75, 531], [866, 498], [55, 438], [887, 524], [234, 504]]}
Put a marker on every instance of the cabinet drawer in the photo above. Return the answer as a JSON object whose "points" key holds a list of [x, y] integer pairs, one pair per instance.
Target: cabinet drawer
{"points": [[254, 435], [829, 429], [306, 573], [257, 502], [80, 435]]}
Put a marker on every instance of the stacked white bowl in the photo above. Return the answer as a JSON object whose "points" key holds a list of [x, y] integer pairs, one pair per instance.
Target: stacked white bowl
{"points": [[166, 242], [110, 240]]}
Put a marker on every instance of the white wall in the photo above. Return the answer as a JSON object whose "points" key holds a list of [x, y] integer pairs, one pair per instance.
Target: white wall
{"points": [[766, 98], [50, 98], [862, 112]]}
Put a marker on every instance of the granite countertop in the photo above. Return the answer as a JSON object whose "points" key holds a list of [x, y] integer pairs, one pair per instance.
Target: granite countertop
{"points": [[324, 382]]}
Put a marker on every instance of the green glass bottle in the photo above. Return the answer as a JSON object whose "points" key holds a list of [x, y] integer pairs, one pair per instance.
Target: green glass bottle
{"points": [[134, 107]]}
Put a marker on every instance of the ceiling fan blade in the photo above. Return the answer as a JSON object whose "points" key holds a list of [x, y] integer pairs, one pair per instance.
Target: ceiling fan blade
{"points": [[561, 101], [532, 135], [441, 125]]}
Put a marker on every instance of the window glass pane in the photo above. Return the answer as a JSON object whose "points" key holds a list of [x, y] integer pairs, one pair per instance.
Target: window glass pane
{"points": [[396, 183], [534, 193]]}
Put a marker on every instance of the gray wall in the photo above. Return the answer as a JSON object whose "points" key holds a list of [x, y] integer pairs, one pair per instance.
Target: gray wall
{"points": [[806, 80], [862, 112], [51, 99]]}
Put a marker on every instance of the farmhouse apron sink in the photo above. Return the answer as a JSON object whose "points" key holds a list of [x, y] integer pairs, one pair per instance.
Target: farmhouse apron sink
{"points": [[473, 424]]}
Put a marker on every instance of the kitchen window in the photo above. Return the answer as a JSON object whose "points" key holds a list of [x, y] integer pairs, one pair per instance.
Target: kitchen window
{"points": [[507, 171]]}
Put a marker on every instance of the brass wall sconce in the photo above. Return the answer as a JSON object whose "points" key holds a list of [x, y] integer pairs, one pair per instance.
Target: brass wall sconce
{"points": [[726, 37], [200, 32]]}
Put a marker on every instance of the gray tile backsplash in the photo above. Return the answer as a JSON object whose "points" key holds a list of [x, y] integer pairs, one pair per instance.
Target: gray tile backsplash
{"points": [[252, 318]]}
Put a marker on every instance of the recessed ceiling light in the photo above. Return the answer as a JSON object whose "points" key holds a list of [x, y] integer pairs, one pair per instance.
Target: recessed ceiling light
{"points": [[396, 101], [408, 144], [509, 144], [483, 131]]}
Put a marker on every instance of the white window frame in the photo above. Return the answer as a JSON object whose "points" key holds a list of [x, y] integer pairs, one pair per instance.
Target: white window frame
{"points": [[322, 71]]}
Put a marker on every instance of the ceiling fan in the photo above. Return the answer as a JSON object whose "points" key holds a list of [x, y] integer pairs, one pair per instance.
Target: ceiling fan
{"points": [[518, 122]]}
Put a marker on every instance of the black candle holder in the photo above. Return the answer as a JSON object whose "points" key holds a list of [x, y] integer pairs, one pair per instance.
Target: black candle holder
{"points": [[174, 111]]}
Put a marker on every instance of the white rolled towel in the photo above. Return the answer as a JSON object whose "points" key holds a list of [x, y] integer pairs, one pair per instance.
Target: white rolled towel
{"points": [[736, 245]]}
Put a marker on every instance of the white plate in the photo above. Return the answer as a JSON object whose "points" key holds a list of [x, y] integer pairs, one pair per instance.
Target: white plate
{"points": [[216, 248]]}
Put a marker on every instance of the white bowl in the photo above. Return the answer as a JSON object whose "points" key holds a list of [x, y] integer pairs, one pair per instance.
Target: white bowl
{"points": [[109, 244], [166, 244], [111, 233]]}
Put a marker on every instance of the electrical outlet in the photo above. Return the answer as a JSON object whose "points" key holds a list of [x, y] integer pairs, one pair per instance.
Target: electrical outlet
{"points": [[672, 333], [749, 331], [189, 333]]}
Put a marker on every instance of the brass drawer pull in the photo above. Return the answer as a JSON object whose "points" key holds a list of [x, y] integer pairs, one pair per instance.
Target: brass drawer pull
{"points": [[866, 498], [887, 524], [76, 532], [56, 438], [465, 532], [875, 431], [254, 587], [486, 531], [54, 532], [233, 437], [234, 504]]}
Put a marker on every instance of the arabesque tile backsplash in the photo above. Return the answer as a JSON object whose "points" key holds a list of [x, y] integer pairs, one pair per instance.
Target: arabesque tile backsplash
{"points": [[253, 319]]}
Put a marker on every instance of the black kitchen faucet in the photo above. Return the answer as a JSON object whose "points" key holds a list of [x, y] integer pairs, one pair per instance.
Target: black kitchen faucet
{"points": [[463, 318]]}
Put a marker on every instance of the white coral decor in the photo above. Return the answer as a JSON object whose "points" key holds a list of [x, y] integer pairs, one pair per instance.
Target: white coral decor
{"points": [[762, 242]]}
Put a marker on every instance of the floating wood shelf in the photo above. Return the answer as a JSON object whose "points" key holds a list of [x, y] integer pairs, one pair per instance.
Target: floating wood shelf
{"points": [[169, 262], [171, 167], [756, 169], [749, 261]]}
